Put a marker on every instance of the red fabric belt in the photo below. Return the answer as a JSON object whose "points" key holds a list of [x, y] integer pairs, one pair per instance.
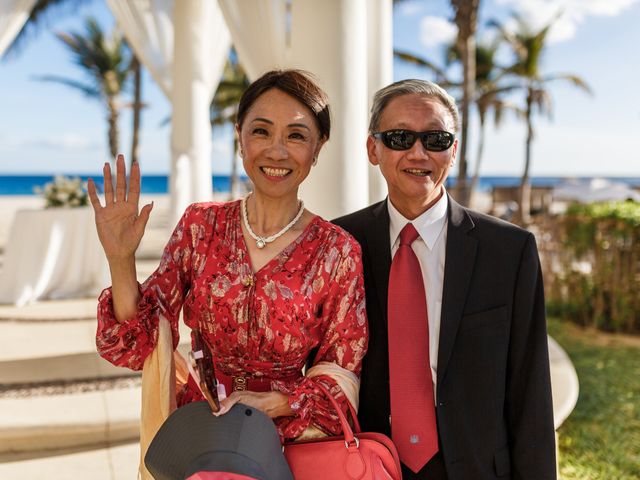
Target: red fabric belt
{"points": [[255, 384]]}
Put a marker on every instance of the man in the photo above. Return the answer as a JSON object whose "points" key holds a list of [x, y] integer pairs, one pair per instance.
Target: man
{"points": [[457, 370]]}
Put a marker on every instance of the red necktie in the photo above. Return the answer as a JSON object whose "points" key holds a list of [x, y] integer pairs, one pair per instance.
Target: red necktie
{"points": [[413, 415]]}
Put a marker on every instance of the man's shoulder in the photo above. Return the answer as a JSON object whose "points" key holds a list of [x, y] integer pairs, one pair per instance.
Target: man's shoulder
{"points": [[494, 229], [356, 221]]}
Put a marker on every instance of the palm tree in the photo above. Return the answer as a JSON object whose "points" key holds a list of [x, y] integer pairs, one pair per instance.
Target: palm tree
{"points": [[137, 106], [224, 107], [107, 63], [43, 13], [527, 47], [490, 91], [489, 88], [466, 18]]}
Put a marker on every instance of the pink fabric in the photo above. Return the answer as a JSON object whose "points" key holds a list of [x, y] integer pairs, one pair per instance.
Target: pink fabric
{"points": [[218, 476]]}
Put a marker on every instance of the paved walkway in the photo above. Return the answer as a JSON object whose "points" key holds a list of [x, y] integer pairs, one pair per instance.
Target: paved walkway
{"points": [[59, 429]]}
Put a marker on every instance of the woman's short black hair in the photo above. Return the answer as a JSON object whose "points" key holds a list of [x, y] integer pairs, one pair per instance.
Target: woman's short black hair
{"points": [[297, 83]]}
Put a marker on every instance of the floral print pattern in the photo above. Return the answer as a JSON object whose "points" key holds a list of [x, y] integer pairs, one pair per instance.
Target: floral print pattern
{"points": [[261, 323]]}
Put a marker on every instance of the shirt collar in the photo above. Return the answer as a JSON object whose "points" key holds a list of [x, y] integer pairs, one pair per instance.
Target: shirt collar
{"points": [[429, 224]]}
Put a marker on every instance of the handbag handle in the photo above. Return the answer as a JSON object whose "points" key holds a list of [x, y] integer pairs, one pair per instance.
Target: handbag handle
{"points": [[348, 433]]}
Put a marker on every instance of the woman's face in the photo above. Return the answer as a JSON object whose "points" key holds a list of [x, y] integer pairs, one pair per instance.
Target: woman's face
{"points": [[279, 139]]}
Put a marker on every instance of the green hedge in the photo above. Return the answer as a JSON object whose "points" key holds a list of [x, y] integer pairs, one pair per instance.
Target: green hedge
{"points": [[592, 265]]}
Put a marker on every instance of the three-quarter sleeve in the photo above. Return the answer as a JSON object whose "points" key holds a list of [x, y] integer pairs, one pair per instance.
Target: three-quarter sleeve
{"points": [[128, 344], [344, 343]]}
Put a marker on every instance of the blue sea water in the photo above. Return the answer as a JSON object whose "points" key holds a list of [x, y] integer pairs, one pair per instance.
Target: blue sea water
{"points": [[25, 184], [158, 184]]}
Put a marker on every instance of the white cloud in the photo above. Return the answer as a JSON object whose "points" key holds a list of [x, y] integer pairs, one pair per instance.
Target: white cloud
{"points": [[573, 13], [436, 31], [408, 9], [68, 142]]}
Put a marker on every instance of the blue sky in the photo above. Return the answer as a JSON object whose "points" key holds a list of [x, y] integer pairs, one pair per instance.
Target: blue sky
{"points": [[49, 128]]}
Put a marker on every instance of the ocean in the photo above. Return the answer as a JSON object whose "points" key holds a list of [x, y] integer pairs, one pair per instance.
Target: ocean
{"points": [[151, 184], [158, 184]]}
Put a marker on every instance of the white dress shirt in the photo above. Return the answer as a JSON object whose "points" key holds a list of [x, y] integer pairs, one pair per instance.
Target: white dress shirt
{"points": [[430, 248]]}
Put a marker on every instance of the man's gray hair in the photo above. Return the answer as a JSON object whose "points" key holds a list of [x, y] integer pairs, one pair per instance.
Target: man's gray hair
{"points": [[406, 87]]}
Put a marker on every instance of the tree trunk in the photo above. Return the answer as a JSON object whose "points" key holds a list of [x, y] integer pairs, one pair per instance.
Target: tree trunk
{"points": [[469, 74], [233, 180], [137, 108], [466, 18], [476, 172], [112, 106], [524, 210]]}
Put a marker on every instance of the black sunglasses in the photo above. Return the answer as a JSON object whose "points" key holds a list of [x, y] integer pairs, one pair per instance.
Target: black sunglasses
{"points": [[432, 140]]}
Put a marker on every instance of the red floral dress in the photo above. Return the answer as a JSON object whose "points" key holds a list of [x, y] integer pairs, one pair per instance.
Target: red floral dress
{"points": [[262, 323]]}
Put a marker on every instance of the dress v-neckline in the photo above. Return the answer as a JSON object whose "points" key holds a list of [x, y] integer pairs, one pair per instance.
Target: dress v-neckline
{"points": [[281, 255]]}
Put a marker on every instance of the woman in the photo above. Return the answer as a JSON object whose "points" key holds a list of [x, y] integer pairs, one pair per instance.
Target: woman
{"points": [[264, 280]]}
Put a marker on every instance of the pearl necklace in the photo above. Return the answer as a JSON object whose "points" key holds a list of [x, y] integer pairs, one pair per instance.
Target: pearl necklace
{"points": [[261, 242]]}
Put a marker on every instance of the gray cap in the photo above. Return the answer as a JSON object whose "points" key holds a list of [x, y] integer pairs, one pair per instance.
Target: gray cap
{"points": [[242, 441]]}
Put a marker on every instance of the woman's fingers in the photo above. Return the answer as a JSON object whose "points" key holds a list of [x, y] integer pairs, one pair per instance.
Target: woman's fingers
{"points": [[108, 183], [134, 185], [143, 218], [93, 195], [226, 404], [121, 179]]}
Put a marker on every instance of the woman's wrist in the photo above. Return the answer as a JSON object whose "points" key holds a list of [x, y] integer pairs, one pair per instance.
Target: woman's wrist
{"points": [[124, 288], [280, 405]]}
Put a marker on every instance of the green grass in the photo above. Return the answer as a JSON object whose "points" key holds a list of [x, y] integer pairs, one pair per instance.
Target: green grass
{"points": [[601, 438]]}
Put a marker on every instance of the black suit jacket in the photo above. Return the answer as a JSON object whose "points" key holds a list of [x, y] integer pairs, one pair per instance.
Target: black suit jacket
{"points": [[494, 409]]}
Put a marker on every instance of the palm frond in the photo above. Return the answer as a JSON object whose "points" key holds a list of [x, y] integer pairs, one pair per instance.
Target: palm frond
{"points": [[88, 90], [413, 59], [510, 38], [106, 60], [542, 100], [573, 79], [224, 106]]}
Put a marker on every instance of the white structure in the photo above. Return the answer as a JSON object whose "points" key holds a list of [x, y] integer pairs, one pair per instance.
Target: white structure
{"points": [[346, 44], [13, 15], [184, 45], [594, 190]]}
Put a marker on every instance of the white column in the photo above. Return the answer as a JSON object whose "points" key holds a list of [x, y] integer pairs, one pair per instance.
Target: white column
{"points": [[200, 45], [380, 69], [331, 42]]}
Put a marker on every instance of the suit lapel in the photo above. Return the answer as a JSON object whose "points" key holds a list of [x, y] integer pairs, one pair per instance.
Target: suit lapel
{"points": [[377, 235], [458, 269]]}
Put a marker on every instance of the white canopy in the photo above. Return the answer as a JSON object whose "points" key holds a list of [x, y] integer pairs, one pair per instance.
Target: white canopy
{"points": [[184, 44], [13, 15], [594, 190]]}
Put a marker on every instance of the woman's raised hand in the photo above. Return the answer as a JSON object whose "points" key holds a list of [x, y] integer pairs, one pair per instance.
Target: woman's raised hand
{"points": [[120, 226]]}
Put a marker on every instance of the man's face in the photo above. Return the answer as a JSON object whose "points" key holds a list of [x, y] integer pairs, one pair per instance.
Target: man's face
{"points": [[414, 176]]}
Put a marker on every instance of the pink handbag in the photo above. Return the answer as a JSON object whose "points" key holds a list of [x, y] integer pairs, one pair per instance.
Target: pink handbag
{"points": [[353, 456]]}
